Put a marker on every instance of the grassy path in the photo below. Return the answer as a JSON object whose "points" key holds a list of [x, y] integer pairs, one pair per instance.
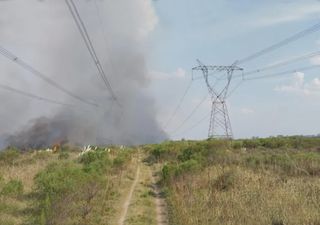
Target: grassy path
{"points": [[144, 205], [128, 199], [161, 206]]}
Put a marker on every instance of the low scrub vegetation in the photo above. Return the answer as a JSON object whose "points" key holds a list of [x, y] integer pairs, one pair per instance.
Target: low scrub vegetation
{"points": [[63, 188], [257, 181]]}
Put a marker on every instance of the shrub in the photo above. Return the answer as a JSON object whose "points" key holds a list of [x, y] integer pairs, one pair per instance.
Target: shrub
{"points": [[65, 192], [188, 166], [93, 156], [252, 143], [273, 142], [165, 172], [253, 161], [14, 188], [9, 156], [170, 171], [225, 181], [186, 154], [237, 145], [157, 152], [63, 155]]}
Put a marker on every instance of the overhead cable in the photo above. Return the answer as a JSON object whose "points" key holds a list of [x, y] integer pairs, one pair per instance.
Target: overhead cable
{"points": [[40, 75]]}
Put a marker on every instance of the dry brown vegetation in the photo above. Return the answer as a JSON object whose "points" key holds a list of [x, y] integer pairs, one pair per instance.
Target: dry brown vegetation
{"points": [[236, 195], [217, 182]]}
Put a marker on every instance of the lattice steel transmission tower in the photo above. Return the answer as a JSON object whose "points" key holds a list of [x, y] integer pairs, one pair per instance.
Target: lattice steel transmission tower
{"points": [[220, 125]]}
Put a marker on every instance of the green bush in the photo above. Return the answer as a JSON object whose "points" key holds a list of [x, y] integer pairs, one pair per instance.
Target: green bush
{"points": [[63, 155], [274, 143], [237, 145], [251, 143], [186, 154], [59, 178], [9, 156], [170, 171], [14, 188], [64, 190], [93, 156]]}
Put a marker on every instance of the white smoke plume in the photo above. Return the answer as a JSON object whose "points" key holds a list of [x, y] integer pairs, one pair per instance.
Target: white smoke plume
{"points": [[44, 34]]}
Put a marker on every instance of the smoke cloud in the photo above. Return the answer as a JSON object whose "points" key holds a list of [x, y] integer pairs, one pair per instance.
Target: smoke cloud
{"points": [[44, 34]]}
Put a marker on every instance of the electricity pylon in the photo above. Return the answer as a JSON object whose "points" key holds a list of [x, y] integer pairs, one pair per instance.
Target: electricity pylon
{"points": [[220, 125]]}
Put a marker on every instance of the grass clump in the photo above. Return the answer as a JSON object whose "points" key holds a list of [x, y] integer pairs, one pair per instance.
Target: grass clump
{"points": [[63, 155], [225, 181], [9, 156], [13, 188]]}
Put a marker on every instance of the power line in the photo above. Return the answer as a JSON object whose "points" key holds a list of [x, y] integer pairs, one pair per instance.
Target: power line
{"points": [[87, 40], [178, 105], [284, 72], [275, 65], [194, 125], [104, 33], [26, 94], [286, 41], [279, 64], [235, 88], [273, 75], [191, 114], [45, 78]]}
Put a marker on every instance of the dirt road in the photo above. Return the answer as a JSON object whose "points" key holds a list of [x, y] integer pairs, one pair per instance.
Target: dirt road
{"points": [[144, 204], [128, 199]]}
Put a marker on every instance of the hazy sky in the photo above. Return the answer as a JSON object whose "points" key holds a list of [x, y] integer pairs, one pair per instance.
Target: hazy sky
{"points": [[171, 35], [221, 31]]}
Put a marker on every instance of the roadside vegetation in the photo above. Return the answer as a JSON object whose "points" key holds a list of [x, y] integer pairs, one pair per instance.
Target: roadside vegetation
{"points": [[272, 181], [42, 187]]}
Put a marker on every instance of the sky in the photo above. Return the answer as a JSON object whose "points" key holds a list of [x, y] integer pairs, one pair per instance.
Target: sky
{"points": [[219, 32], [165, 38]]}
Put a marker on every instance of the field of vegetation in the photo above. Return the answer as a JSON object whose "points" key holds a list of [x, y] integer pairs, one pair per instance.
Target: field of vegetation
{"points": [[273, 181], [40, 187]]}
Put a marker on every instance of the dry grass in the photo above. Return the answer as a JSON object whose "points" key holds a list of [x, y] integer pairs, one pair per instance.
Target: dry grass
{"points": [[250, 198], [14, 210]]}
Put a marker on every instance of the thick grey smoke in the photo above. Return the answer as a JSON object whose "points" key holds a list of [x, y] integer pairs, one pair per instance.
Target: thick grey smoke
{"points": [[44, 34]]}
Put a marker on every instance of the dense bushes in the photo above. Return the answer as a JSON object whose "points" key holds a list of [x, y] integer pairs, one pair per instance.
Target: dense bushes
{"points": [[281, 154], [70, 192], [65, 193], [170, 171], [294, 142]]}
